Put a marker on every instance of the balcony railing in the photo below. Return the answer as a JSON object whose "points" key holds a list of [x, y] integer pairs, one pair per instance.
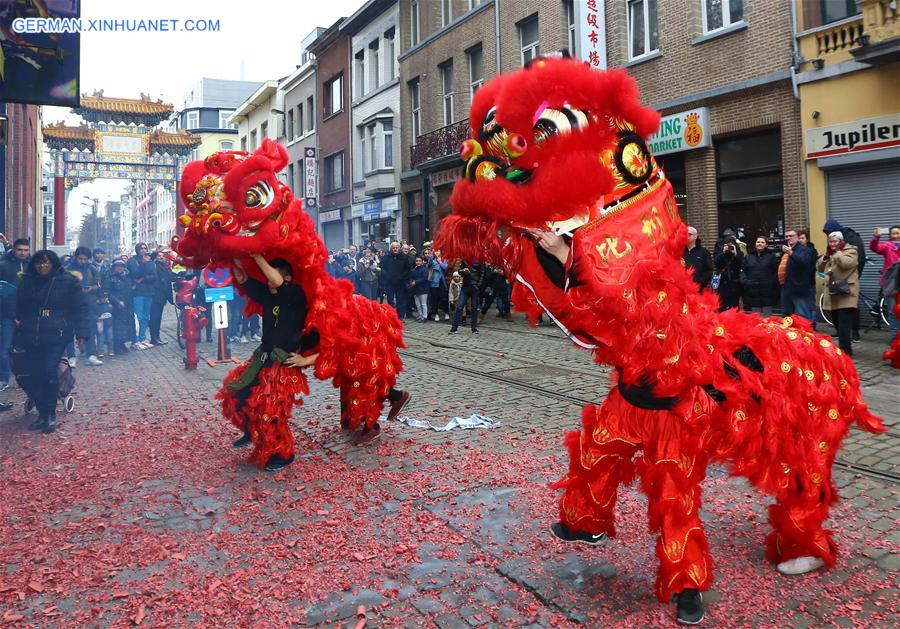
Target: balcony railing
{"points": [[439, 143], [841, 37], [881, 19]]}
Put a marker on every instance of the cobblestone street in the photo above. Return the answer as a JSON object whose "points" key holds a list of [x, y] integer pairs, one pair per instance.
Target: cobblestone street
{"points": [[138, 511]]}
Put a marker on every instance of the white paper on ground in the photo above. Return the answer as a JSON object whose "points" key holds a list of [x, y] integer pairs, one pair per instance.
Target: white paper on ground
{"points": [[472, 421]]}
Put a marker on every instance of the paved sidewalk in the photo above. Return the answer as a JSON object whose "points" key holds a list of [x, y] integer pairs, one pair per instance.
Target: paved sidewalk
{"points": [[138, 511]]}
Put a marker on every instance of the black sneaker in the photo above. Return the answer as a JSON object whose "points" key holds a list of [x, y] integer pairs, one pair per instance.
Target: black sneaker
{"points": [[5, 406], [563, 532], [475, 331], [453, 332], [243, 441], [689, 607], [276, 462], [37, 424]]}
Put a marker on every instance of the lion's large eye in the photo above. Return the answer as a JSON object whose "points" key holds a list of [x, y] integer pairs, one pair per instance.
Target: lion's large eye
{"points": [[259, 195], [551, 122]]}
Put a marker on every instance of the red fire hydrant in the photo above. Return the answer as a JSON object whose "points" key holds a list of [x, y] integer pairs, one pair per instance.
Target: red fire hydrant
{"points": [[193, 323]]}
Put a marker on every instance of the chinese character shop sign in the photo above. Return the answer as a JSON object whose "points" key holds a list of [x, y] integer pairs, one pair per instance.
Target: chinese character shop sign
{"points": [[310, 187], [590, 32]]}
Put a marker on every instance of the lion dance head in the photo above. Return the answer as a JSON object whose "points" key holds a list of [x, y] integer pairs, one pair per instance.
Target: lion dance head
{"points": [[552, 145], [236, 206]]}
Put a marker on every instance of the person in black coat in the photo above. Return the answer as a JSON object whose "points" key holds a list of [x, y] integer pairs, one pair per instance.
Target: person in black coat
{"points": [[162, 295], [12, 268], [50, 309], [698, 259], [759, 278], [395, 269], [121, 294], [728, 266]]}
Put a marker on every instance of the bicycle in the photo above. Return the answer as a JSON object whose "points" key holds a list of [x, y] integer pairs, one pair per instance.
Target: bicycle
{"points": [[875, 308]]}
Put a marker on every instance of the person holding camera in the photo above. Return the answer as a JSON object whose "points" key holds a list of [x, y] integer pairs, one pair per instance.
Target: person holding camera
{"points": [[728, 267], [759, 278], [367, 272], [840, 262]]}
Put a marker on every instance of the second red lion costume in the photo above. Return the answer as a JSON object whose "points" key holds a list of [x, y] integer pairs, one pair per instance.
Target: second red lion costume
{"points": [[237, 207], [559, 146]]}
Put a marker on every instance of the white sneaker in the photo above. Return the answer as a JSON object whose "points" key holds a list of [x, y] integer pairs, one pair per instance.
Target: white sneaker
{"points": [[256, 337], [93, 360], [446, 317], [243, 339], [72, 361], [800, 565]]}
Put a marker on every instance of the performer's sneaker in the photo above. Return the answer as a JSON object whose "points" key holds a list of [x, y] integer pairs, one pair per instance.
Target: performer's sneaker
{"points": [[397, 406], [243, 441], [367, 435], [689, 607], [276, 462], [800, 565], [563, 532]]}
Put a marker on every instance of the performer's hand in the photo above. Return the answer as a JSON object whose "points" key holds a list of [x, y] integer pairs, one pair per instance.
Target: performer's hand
{"points": [[297, 360], [876, 233], [551, 243]]}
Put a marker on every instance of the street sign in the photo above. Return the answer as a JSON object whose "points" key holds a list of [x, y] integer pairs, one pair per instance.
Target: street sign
{"points": [[225, 293], [220, 315], [217, 276]]}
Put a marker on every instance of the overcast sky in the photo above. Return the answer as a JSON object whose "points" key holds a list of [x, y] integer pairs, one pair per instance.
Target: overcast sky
{"points": [[257, 40]]}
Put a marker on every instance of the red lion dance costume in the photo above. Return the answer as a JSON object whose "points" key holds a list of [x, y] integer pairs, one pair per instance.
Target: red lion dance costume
{"points": [[237, 207], [559, 146]]}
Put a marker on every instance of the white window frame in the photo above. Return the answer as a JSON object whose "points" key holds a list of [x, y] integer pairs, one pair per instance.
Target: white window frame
{"points": [[253, 140], [446, 12], [570, 25], [195, 116], [359, 69], [388, 143], [223, 119], [414, 25], [363, 166], [374, 64], [447, 96], [389, 55], [645, 15], [298, 123], [474, 83], [289, 132], [533, 48], [311, 114], [372, 141], [222, 144], [726, 16], [415, 106]]}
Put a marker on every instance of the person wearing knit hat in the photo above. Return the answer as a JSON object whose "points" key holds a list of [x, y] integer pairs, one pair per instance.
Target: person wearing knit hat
{"points": [[851, 237]]}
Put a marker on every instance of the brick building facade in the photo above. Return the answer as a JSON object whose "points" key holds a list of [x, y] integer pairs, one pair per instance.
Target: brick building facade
{"points": [[332, 53], [20, 171], [736, 63]]}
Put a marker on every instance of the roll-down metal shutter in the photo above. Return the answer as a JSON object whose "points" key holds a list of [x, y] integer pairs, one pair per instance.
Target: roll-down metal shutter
{"points": [[862, 197]]}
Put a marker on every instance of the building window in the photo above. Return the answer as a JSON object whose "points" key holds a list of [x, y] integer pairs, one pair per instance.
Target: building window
{"points": [[263, 130], [643, 29], [310, 114], [414, 22], [447, 91], [359, 73], [570, 25], [244, 143], [721, 13], [389, 56], [223, 120], [334, 101], [193, 120], [334, 172], [374, 66], [388, 144], [291, 176], [821, 12], [446, 12], [289, 132], [226, 145], [476, 69], [528, 39], [373, 148], [253, 142], [298, 128], [415, 105], [750, 183]]}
